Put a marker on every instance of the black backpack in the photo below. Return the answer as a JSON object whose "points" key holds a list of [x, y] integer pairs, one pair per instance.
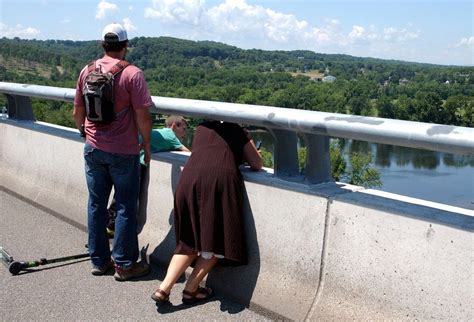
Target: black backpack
{"points": [[98, 91]]}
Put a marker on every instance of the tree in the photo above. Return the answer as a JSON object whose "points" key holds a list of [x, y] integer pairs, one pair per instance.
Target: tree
{"points": [[428, 108], [385, 107], [267, 158], [358, 105], [338, 164], [460, 110], [404, 107], [360, 172]]}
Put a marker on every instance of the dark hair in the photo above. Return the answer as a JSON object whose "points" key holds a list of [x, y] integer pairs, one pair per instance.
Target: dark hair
{"points": [[111, 43]]}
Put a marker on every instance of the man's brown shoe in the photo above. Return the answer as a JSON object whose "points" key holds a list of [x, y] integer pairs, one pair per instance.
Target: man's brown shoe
{"points": [[137, 270]]}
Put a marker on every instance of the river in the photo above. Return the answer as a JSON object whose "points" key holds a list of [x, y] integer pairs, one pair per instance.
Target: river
{"points": [[429, 175]]}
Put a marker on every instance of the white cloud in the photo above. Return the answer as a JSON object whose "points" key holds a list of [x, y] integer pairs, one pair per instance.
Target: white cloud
{"points": [[179, 11], [104, 7], [18, 31], [236, 22], [280, 27], [128, 25], [466, 42], [400, 35], [370, 35], [357, 32], [234, 16], [325, 35], [65, 21]]}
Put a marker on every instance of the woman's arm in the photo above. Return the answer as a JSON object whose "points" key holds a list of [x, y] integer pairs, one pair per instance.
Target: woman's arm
{"points": [[252, 156]]}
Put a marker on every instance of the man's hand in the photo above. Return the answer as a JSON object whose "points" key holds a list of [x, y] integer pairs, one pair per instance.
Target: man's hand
{"points": [[144, 126], [82, 132], [147, 149], [79, 114]]}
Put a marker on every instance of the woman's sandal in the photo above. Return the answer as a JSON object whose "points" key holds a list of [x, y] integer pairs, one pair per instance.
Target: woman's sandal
{"points": [[206, 291], [164, 299]]}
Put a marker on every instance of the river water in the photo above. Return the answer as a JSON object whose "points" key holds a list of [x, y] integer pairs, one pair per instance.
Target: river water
{"points": [[434, 176]]}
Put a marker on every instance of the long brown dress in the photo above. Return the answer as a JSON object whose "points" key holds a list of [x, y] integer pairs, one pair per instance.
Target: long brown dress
{"points": [[208, 206]]}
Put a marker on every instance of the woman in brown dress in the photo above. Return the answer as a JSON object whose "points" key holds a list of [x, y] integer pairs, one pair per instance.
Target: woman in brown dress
{"points": [[208, 207]]}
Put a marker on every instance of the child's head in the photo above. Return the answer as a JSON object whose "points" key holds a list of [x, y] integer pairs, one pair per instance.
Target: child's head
{"points": [[178, 124]]}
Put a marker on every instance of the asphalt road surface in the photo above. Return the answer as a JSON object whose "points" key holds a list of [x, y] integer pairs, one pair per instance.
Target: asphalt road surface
{"points": [[67, 291]]}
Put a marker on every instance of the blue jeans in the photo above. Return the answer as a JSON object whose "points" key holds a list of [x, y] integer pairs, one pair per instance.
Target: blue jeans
{"points": [[103, 171]]}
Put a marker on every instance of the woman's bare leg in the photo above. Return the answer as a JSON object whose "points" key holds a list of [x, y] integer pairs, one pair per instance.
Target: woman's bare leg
{"points": [[176, 268], [201, 269]]}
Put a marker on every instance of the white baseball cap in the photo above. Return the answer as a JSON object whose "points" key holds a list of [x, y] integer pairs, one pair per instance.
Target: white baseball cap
{"points": [[115, 29]]}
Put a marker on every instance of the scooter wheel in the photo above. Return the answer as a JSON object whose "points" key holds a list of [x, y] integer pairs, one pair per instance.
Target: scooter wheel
{"points": [[14, 268]]}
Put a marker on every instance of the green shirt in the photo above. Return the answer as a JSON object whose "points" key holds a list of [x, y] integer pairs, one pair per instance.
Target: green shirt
{"points": [[162, 140]]}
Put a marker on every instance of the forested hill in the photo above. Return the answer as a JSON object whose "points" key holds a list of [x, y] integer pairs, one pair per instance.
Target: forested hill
{"points": [[294, 79]]}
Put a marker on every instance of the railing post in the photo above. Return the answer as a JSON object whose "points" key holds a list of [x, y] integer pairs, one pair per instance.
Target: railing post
{"points": [[318, 162], [285, 157], [19, 107]]}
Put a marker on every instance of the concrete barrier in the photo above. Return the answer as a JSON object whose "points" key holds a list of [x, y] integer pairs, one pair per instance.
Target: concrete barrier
{"points": [[330, 251], [44, 163], [389, 257]]}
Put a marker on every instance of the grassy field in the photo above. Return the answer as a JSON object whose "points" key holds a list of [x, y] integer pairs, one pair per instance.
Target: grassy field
{"points": [[312, 73], [24, 67]]}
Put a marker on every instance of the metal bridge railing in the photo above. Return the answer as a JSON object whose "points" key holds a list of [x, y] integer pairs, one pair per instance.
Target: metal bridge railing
{"points": [[283, 123]]}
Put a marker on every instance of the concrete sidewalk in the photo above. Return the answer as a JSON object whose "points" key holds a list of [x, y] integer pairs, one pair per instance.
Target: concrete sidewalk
{"points": [[67, 291]]}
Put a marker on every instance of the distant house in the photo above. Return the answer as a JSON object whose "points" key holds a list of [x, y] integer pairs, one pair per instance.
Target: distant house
{"points": [[403, 81], [329, 79]]}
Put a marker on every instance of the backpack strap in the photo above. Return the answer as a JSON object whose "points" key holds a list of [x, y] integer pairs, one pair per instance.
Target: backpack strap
{"points": [[91, 66], [116, 69], [119, 67]]}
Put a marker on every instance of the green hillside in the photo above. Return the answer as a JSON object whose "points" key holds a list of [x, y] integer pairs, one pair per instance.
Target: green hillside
{"points": [[294, 79]]}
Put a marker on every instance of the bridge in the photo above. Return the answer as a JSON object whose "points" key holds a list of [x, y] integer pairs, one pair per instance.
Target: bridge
{"points": [[318, 249]]}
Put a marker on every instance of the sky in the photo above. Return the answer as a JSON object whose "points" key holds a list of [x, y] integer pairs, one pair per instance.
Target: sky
{"points": [[427, 31]]}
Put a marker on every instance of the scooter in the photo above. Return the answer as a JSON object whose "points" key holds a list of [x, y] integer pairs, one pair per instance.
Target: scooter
{"points": [[15, 267]]}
